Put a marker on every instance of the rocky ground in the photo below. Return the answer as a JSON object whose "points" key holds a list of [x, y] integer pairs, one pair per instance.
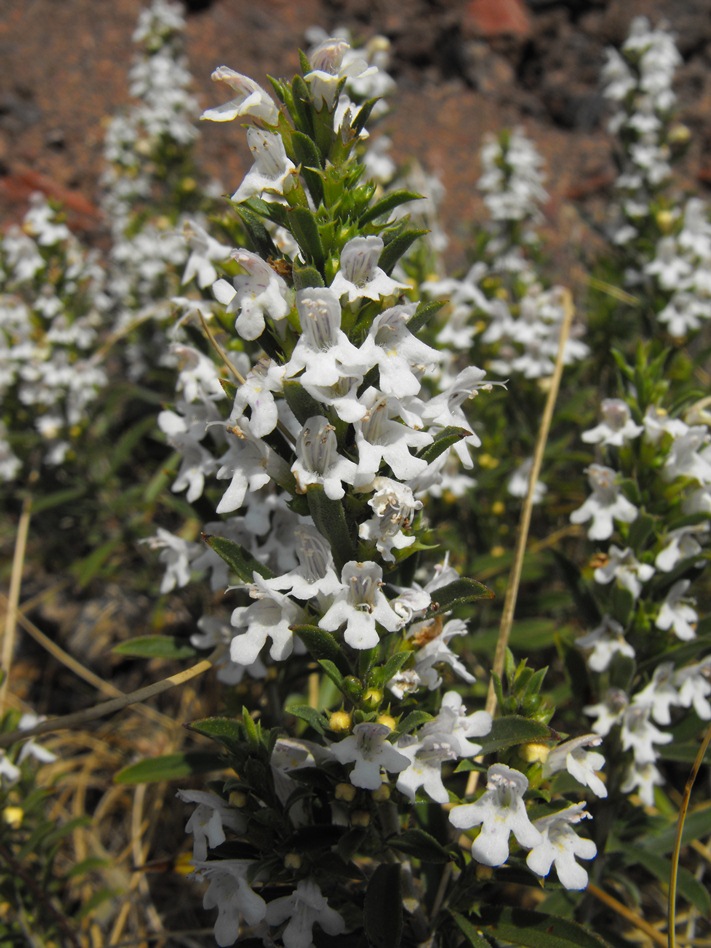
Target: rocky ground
{"points": [[463, 67]]}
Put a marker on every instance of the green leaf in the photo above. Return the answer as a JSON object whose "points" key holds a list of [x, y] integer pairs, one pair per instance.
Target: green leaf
{"points": [[307, 155], [330, 520], [412, 721], [443, 440], [536, 930], [170, 767], [228, 731], [696, 826], [58, 498], [308, 714], [395, 248], [689, 887], [300, 402], [513, 730], [388, 203], [237, 558], [258, 236], [156, 646], [363, 114], [458, 593], [304, 278], [418, 843], [302, 224], [423, 314], [302, 112], [470, 932], [640, 531], [382, 916], [322, 645], [333, 672], [381, 675]]}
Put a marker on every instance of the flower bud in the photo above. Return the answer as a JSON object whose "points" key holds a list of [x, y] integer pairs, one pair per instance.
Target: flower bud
{"points": [[372, 700], [345, 792], [382, 793], [388, 720], [238, 799], [340, 721], [292, 861], [360, 818]]}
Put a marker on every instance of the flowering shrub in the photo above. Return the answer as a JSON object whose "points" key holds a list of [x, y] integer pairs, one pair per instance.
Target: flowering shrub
{"points": [[384, 770]]}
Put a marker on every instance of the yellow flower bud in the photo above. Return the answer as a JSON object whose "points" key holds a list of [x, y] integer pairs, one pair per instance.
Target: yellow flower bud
{"points": [[360, 818], [238, 799], [13, 816], [345, 791], [382, 793], [292, 861], [387, 719], [534, 752], [340, 721]]}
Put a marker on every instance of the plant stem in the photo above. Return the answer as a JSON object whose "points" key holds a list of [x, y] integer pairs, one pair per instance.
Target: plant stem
{"points": [[13, 598]]}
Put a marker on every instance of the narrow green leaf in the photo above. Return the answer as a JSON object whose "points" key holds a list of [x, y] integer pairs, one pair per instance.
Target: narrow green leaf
{"points": [[444, 439], [513, 730], [395, 248], [380, 676], [363, 114], [411, 721], [302, 112], [237, 558], [697, 825], [332, 671], [388, 203], [307, 155], [330, 521], [302, 224], [228, 731], [423, 314], [537, 930], [470, 932], [457, 593], [300, 402], [421, 845], [308, 714], [170, 767], [322, 645], [60, 498], [689, 887], [156, 646], [258, 236], [640, 531], [382, 915]]}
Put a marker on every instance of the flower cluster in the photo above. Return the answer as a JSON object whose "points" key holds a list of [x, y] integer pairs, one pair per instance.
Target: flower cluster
{"points": [[52, 304], [659, 505], [331, 422]]}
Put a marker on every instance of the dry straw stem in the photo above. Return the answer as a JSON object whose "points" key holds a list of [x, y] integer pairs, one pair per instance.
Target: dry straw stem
{"points": [[79, 718], [671, 914], [13, 598], [81, 671], [620, 909], [525, 521]]}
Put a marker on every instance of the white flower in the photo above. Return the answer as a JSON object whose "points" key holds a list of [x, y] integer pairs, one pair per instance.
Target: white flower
{"points": [[176, 553], [643, 777], [639, 735], [500, 811], [681, 544], [314, 575], [616, 426], [208, 820], [231, 894], [360, 276], [394, 507], [425, 757], [258, 292], [379, 437], [694, 684], [272, 172], [606, 641], [623, 567], [608, 712], [251, 100], [685, 459], [318, 460], [560, 845], [677, 612], [402, 357], [433, 639], [660, 694], [361, 604], [520, 480], [305, 907], [605, 505], [271, 617], [205, 251], [579, 762], [370, 750], [328, 68]]}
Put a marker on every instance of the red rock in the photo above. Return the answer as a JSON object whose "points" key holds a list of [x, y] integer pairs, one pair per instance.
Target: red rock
{"points": [[490, 18]]}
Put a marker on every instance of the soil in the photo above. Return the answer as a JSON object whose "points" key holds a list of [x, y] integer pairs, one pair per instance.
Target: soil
{"points": [[463, 67]]}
